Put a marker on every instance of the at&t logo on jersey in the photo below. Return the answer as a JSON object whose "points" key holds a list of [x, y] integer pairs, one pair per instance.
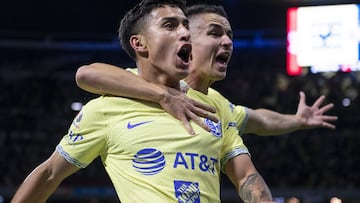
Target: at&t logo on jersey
{"points": [[215, 127], [187, 192], [194, 161], [149, 161]]}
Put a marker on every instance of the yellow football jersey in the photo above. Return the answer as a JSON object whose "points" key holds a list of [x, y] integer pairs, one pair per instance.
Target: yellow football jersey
{"points": [[238, 112], [148, 154]]}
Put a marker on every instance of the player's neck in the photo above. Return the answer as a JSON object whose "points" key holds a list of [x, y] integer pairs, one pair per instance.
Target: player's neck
{"points": [[152, 75], [197, 83]]}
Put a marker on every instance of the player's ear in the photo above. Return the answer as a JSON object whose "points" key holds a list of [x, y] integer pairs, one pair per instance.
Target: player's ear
{"points": [[138, 43]]}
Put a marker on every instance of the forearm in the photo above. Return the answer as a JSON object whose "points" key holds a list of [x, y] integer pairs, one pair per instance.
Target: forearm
{"points": [[37, 187], [250, 185], [44, 180], [254, 190], [267, 122], [102, 78]]}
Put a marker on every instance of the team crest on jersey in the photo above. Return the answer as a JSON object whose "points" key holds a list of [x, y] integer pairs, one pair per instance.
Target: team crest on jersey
{"points": [[187, 192], [215, 127], [77, 120]]}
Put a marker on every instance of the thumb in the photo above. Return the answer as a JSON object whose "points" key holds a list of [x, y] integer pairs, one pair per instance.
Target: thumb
{"points": [[302, 100]]}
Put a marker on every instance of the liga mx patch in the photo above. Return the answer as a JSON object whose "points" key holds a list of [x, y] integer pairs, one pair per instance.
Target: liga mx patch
{"points": [[77, 120], [187, 192]]}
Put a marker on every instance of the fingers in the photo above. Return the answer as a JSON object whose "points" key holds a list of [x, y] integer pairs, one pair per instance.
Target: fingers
{"points": [[205, 107], [185, 109], [188, 127], [326, 120], [195, 116], [328, 125], [326, 108], [196, 119], [212, 117], [302, 100], [205, 114], [204, 110], [330, 118], [319, 101]]}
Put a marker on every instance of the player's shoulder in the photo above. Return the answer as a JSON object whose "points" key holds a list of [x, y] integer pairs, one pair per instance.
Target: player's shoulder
{"points": [[105, 101], [214, 94], [93, 103], [212, 91], [100, 100]]}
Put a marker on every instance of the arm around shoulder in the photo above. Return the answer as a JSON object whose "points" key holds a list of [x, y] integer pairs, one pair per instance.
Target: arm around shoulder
{"points": [[101, 78], [44, 180]]}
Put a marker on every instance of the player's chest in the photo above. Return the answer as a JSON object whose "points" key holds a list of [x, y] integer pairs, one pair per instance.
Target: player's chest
{"points": [[162, 132]]}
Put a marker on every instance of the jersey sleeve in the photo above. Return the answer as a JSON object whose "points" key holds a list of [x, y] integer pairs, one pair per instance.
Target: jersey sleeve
{"points": [[86, 136], [233, 144], [241, 117]]}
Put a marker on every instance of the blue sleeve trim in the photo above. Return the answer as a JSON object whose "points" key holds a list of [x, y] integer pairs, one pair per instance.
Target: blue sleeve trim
{"points": [[68, 158], [233, 154]]}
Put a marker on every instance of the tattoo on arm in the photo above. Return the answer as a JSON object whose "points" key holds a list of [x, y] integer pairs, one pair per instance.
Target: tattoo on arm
{"points": [[254, 190]]}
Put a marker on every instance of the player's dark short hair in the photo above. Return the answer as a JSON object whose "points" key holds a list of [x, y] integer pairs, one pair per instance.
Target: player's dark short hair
{"points": [[205, 8], [135, 20]]}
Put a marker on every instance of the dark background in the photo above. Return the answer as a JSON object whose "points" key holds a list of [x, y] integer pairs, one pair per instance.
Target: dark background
{"points": [[42, 43]]}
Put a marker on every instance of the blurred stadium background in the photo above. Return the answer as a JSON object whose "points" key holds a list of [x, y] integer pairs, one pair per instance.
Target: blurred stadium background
{"points": [[42, 43]]}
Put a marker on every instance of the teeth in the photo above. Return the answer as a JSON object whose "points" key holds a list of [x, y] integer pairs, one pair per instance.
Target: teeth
{"points": [[184, 53], [223, 58]]}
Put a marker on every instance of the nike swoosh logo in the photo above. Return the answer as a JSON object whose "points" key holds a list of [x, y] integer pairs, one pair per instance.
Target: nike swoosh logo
{"points": [[130, 126]]}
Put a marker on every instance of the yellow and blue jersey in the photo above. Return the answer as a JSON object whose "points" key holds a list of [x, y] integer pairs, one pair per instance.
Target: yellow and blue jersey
{"points": [[238, 116], [148, 154]]}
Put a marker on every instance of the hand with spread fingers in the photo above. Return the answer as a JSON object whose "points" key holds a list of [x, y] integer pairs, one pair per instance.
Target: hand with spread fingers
{"points": [[185, 109], [314, 116]]}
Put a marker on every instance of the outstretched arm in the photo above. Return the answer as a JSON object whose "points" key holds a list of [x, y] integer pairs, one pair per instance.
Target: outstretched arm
{"points": [[267, 122], [44, 180], [103, 78], [249, 184]]}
